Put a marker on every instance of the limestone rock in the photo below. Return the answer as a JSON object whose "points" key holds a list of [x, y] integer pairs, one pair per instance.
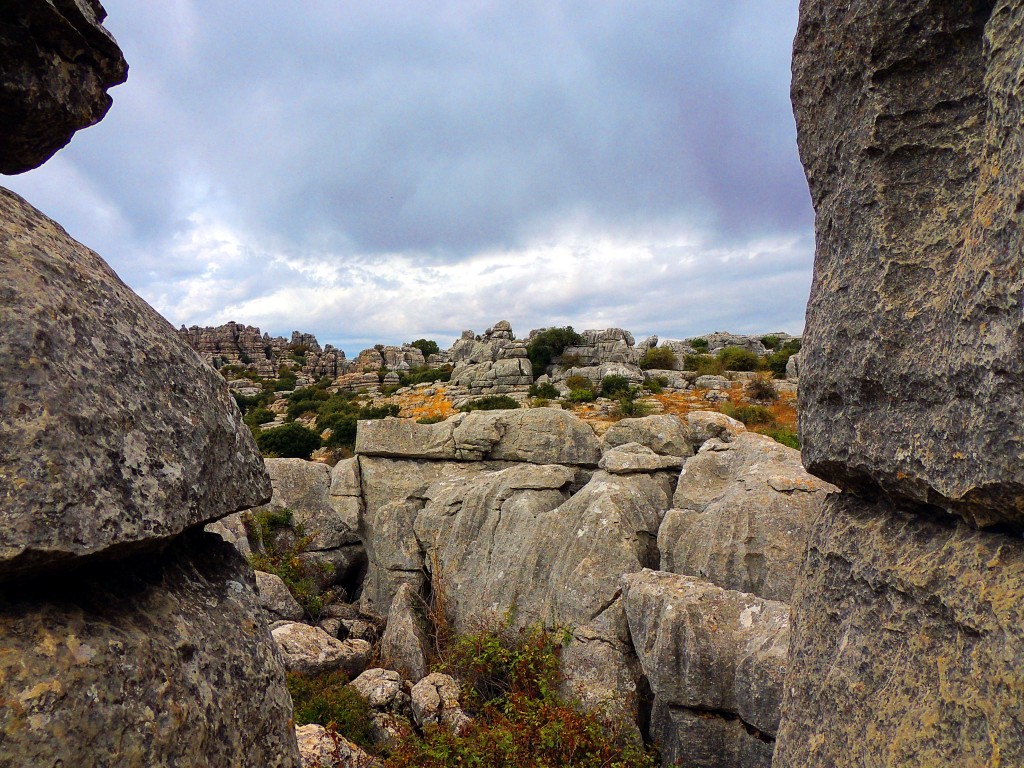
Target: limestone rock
{"points": [[345, 495], [276, 599], [435, 699], [404, 645], [310, 650], [629, 458], [704, 425], [715, 660], [304, 487], [57, 64], [382, 688], [793, 367], [113, 434], [158, 659], [323, 748], [664, 434], [740, 516], [912, 370], [913, 630]]}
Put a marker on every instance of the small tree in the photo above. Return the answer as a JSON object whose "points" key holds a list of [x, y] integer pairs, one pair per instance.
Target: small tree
{"points": [[549, 344], [426, 346], [614, 385], [661, 358], [289, 441]]}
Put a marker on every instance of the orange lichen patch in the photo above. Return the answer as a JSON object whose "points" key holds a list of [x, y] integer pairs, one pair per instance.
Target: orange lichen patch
{"points": [[417, 404]]}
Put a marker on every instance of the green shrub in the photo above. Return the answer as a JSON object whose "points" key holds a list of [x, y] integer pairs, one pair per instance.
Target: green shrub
{"points": [[424, 374], [546, 390], [614, 385], [510, 684], [258, 416], [738, 359], [549, 344], [280, 542], [246, 403], [629, 407], [289, 441], [762, 388], [579, 382], [785, 436], [431, 419], [343, 429], [704, 365], [581, 396], [770, 342], [701, 345], [327, 700], [751, 415], [490, 403], [426, 346], [661, 358], [568, 360], [778, 359]]}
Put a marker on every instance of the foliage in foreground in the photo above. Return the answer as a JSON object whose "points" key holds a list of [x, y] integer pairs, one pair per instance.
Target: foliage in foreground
{"points": [[510, 684], [327, 700]]}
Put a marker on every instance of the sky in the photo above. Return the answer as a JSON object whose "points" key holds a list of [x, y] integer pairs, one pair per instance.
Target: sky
{"points": [[381, 172]]}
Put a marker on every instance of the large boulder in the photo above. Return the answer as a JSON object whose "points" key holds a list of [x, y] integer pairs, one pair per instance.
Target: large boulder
{"points": [[304, 487], [715, 660], [158, 659], [913, 630], [56, 64], [665, 434], [740, 516], [404, 645], [310, 650], [912, 369], [114, 435]]}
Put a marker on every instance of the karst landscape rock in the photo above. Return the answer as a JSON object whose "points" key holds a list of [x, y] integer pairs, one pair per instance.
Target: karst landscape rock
{"points": [[716, 593]]}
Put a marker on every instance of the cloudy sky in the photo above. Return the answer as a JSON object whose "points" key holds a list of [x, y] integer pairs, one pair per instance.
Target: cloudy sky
{"points": [[379, 172]]}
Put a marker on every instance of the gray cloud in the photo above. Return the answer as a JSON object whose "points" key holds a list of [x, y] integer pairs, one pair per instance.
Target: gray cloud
{"points": [[354, 134]]}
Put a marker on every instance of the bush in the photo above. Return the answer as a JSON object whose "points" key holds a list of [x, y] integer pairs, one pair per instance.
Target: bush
{"points": [[426, 346], [614, 385], [750, 415], [431, 419], [510, 683], [785, 436], [549, 344], [490, 403], [739, 359], [280, 542], [704, 365], [258, 416], [770, 342], [423, 374], [289, 441], [581, 396], [762, 388], [327, 700], [579, 382], [546, 390], [701, 345], [661, 358], [779, 358]]}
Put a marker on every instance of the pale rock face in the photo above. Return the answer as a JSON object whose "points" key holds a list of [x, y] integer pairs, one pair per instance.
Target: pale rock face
{"points": [[610, 345], [127, 466], [382, 688], [404, 645], [304, 487], [715, 660], [740, 516], [793, 367], [58, 63], [276, 599], [310, 650], [704, 425], [161, 659], [320, 748], [596, 373], [630, 458], [435, 700], [666, 435]]}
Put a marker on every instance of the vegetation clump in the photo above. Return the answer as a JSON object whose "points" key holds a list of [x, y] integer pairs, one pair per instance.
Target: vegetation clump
{"points": [[280, 544], [762, 389], [424, 374], [699, 344], [547, 390], [326, 699], [427, 346], [289, 441], [614, 385], [544, 347], [659, 358], [490, 403]]}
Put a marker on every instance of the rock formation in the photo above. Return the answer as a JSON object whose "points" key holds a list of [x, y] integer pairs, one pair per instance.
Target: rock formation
{"points": [[906, 635], [159, 657], [56, 64]]}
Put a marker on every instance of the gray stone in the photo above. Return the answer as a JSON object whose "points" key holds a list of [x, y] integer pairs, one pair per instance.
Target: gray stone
{"points": [[321, 747], [114, 435], [435, 700], [912, 369], [276, 599], [632, 457], [740, 516], [404, 645], [382, 688], [157, 660], [57, 64], [304, 487], [913, 629], [665, 434], [793, 367], [310, 650], [712, 657], [704, 425]]}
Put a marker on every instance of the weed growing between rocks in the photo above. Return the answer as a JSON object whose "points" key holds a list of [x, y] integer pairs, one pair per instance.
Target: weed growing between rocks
{"points": [[490, 403], [327, 700], [280, 544]]}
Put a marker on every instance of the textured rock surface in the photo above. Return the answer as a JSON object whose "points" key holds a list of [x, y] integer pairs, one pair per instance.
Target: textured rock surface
{"points": [[404, 645], [435, 700], [56, 64], [113, 434], [664, 434], [912, 142], [310, 650], [157, 660], [913, 630], [629, 458], [276, 599], [304, 487], [740, 516], [704, 425], [712, 657], [321, 748]]}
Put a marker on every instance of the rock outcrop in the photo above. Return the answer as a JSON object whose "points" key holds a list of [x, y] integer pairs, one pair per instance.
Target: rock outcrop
{"points": [[56, 64], [906, 626]]}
